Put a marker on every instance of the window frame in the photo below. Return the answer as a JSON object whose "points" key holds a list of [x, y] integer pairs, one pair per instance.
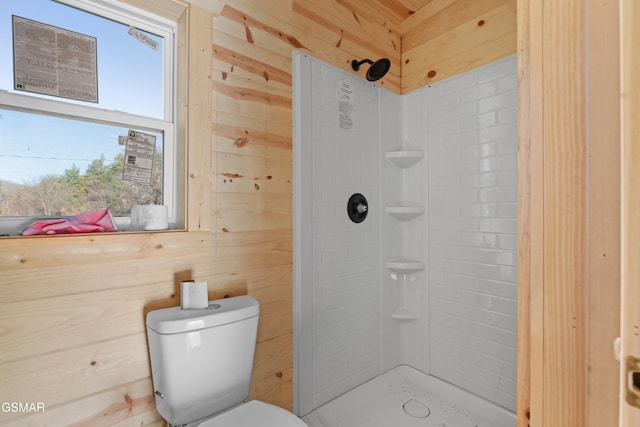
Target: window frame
{"points": [[62, 108]]}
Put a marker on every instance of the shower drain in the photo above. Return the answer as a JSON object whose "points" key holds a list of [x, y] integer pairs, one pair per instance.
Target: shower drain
{"points": [[416, 409]]}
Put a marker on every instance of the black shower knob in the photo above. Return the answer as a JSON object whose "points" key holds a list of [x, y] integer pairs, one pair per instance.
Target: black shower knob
{"points": [[357, 208]]}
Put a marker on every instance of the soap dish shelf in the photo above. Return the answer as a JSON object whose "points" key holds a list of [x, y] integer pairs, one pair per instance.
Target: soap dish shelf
{"points": [[405, 213], [405, 265], [403, 314], [404, 158]]}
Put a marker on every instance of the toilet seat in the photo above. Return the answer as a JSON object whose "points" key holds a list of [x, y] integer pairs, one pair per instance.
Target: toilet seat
{"points": [[255, 413]]}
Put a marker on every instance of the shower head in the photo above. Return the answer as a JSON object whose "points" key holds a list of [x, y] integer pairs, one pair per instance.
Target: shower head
{"points": [[376, 71]]}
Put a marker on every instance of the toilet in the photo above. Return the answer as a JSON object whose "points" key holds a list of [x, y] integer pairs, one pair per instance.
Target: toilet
{"points": [[201, 362]]}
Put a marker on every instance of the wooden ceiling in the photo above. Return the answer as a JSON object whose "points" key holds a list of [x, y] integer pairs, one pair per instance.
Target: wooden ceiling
{"points": [[395, 15], [401, 9]]}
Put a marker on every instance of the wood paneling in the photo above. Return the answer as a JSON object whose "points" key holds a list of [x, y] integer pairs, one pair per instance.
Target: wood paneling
{"points": [[449, 37], [603, 304], [530, 204], [630, 105], [200, 98], [72, 320], [564, 216], [568, 212]]}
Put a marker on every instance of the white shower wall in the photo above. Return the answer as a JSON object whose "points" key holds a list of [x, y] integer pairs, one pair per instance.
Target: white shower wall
{"points": [[340, 286], [472, 153], [345, 297]]}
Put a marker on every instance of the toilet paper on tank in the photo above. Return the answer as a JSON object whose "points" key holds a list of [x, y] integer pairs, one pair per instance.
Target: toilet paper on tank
{"points": [[194, 295], [149, 217]]}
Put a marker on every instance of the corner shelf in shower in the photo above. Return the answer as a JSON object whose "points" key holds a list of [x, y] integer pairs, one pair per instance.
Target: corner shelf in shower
{"points": [[405, 265], [405, 213], [404, 158], [403, 314]]}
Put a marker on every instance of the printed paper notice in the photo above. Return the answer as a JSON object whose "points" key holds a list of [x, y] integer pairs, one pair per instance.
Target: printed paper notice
{"points": [[345, 105], [138, 157], [54, 61], [143, 38]]}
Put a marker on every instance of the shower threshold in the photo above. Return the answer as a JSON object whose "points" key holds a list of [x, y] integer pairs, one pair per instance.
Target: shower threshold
{"points": [[406, 397]]}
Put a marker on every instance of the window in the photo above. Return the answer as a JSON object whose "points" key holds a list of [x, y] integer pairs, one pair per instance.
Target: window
{"points": [[87, 110]]}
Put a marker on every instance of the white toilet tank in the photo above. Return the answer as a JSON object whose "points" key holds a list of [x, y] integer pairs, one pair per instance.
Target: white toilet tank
{"points": [[201, 360]]}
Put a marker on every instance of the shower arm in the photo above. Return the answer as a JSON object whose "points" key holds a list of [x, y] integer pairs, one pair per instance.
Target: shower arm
{"points": [[355, 64]]}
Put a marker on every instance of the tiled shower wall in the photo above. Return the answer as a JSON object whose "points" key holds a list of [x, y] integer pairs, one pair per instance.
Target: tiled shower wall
{"points": [[472, 194], [466, 297], [346, 256]]}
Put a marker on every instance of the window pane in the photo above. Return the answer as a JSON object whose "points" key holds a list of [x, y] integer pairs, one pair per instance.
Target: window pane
{"points": [[130, 73], [53, 166]]}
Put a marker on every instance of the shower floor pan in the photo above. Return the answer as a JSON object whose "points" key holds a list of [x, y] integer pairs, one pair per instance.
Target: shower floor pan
{"points": [[406, 397]]}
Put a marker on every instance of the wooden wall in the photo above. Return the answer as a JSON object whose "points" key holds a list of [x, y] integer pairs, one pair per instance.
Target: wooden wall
{"points": [[569, 213], [72, 308], [630, 129]]}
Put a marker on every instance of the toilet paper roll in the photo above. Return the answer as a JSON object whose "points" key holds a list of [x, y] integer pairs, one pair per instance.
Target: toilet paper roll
{"points": [[194, 295], [149, 217]]}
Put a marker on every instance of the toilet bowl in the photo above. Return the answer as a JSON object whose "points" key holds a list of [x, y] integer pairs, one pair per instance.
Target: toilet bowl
{"points": [[201, 365], [255, 413]]}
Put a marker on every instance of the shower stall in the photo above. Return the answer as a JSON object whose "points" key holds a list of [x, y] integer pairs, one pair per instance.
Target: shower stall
{"points": [[427, 279]]}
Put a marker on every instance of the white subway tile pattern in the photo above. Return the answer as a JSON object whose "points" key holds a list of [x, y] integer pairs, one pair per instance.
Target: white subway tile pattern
{"points": [[472, 154], [466, 297], [346, 287]]}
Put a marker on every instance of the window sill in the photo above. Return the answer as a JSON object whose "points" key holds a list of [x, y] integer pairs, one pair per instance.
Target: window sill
{"points": [[11, 227], [111, 233]]}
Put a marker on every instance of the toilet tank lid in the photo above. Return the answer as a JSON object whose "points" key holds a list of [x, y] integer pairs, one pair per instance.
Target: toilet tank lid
{"points": [[175, 320]]}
